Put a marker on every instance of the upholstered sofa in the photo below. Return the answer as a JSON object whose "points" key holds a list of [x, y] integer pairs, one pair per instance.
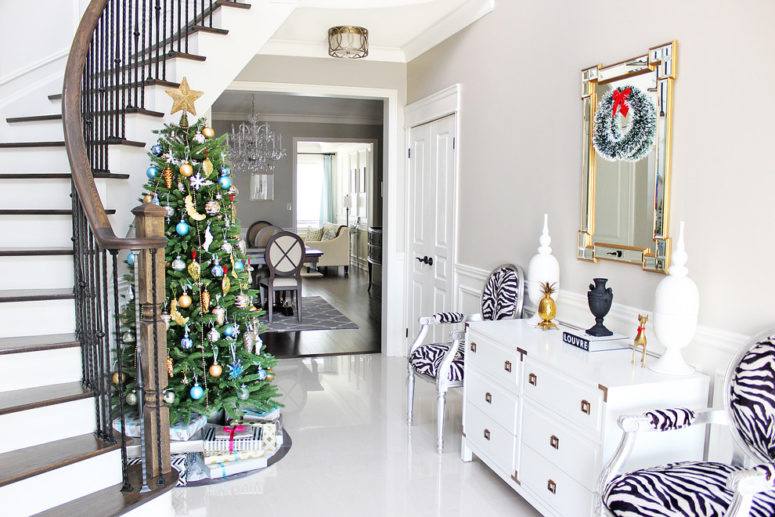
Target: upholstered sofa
{"points": [[334, 243]]}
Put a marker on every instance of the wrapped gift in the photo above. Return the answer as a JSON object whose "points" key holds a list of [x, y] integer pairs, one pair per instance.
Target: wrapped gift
{"points": [[179, 462], [233, 432], [222, 470], [250, 442], [178, 432], [258, 416], [219, 457]]}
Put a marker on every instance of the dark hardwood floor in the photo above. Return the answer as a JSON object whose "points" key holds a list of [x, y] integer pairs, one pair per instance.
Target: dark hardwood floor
{"points": [[350, 296]]}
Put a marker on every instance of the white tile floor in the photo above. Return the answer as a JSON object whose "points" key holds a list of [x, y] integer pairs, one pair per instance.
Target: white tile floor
{"points": [[353, 454]]}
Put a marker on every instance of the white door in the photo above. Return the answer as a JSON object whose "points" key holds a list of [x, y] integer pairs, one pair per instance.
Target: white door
{"points": [[431, 219]]}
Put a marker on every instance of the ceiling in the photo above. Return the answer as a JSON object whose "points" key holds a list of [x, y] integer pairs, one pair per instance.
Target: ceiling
{"points": [[399, 30], [282, 107]]}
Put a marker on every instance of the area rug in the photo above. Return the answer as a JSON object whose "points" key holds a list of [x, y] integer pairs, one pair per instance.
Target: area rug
{"points": [[316, 314]]}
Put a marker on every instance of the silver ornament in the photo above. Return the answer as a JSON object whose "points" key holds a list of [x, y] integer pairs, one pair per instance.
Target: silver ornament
{"points": [[212, 207], [165, 317], [128, 337], [213, 335], [244, 393], [199, 138], [131, 398], [178, 264], [208, 239], [220, 314], [250, 341], [170, 210], [227, 247], [169, 397], [243, 246]]}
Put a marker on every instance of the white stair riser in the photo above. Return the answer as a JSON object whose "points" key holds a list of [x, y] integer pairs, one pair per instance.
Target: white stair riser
{"points": [[29, 318], [37, 131], [161, 506], [36, 230], [48, 193], [36, 272], [34, 159], [58, 486], [46, 424], [50, 367]]}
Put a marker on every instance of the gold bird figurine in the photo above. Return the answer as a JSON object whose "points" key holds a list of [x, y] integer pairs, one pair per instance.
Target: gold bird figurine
{"points": [[640, 340]]}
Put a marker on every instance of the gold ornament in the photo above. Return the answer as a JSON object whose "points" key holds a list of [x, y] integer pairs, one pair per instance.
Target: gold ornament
{"points": [[269, 375], [225, 285], [242, 301], [205, 300], [212, 207], [208, 132], [175, 315], [186, 169], [147, 198], [168, 178], [195, 270], [183, 98], [233, 269], [170, 366], [207, 166], [191, 209], [547, 308], [640, 340], [220, 314], [215, 370], [115, 378], [184, 301]]}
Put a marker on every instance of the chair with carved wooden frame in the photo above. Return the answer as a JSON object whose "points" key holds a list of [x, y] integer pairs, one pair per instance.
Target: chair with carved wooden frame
{"points": [[744, 487], [503, 297]]}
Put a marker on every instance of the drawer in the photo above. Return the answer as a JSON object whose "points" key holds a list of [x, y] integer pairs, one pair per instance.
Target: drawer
{"points": [[551, 437], [552, 486], [486, 435], [494, 400], [496, 361], [580, 403]]}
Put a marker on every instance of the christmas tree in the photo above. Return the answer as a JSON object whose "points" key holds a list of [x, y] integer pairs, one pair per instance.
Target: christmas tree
{"points": [[216, 361]]}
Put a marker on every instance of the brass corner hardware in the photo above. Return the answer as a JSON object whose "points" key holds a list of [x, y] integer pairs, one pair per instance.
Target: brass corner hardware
{"points": [[554, 442], [532, 379], [507, 366], [551, 486], [586, 407], [522, 354], [464, 433], [473, 347], [488, 397], [605, 392], [486, 434]]}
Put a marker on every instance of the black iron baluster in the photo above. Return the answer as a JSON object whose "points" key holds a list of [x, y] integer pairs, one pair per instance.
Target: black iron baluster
{"points": [[99, 380], [121, 378], [164, 39], [158, 42], [76, 203], [153, 251], [139, 383], [106, 351], [211, 14], [186, 24], [141, 50], [180, 26]]}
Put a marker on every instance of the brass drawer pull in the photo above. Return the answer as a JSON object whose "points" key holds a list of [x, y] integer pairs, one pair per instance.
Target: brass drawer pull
{"points": [[507, 366], [486, 434], [585, 407], [532, 379], [551, 486], [488, 397], [473, 347], [554, 442]]}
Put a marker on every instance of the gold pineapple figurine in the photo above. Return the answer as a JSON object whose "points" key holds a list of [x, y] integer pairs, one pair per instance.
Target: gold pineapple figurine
{"points": [[640, 340], [547, 308]]}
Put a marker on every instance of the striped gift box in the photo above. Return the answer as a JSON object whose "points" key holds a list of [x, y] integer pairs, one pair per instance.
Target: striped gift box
{"points": [[215, 445]]}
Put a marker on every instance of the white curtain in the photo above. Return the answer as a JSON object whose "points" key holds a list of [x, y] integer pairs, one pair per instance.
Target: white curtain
{"points": [[327, 192]]}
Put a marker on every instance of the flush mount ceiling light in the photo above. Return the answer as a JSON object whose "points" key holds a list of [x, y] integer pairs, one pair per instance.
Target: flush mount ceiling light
{"points": [[348, 41]]}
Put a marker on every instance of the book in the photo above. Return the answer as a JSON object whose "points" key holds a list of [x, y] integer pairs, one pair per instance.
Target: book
{"points": [[580, 339]]}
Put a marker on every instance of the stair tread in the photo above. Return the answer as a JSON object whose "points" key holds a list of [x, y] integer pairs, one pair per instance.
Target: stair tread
{"points": [[61, 143], [13, 345], [34, 118], [227, 3], [54, 96], [43, 211], [58, 116], [31, 461], [57, 175], [111, 501], [10, 251], [31, 398], [29, 295]]}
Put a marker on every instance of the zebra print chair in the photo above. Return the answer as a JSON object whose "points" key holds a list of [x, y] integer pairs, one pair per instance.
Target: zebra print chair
{"points": [[442, 363], [707, 488]]}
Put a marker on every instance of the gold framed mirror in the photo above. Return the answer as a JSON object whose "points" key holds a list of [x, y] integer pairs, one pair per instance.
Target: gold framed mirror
{"points": [[626, 148]]}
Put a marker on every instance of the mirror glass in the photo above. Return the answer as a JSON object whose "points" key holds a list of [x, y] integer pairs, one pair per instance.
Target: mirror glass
{"points": [[625, 160]]}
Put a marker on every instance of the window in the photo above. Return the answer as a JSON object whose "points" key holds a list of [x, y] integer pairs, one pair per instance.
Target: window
{"points": [[309, 188]]}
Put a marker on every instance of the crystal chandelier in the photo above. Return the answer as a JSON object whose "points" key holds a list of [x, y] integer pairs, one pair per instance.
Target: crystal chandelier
{"points": [[254, 147]]}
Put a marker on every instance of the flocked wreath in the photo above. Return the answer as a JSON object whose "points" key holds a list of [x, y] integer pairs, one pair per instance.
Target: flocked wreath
{"points": [[632, 142]]}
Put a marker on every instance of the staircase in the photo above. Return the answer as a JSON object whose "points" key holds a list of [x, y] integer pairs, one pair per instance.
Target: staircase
{"points": [[58, 455]]}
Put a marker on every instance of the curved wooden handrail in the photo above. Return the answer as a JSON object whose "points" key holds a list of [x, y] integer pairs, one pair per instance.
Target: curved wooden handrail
{"points": [[75, 144]]}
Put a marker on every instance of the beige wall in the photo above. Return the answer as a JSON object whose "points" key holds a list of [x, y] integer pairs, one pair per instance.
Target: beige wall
{"points": [[521, 139]]}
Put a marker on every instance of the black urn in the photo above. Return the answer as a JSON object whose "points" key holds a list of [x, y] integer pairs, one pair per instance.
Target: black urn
{"points": [[600, 298]]}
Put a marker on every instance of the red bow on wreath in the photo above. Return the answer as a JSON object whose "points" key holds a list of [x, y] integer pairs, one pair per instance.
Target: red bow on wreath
{"points": [[620, 96]]}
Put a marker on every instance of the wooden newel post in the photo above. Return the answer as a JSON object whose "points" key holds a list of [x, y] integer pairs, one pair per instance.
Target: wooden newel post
{"points": [[149, 223]]}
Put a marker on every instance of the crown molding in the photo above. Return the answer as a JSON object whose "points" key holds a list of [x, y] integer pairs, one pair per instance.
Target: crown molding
{"points": [[279, 47], [300, 118]]}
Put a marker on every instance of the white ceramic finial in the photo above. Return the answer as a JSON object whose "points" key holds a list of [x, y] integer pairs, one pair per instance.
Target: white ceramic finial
{"points": [[679, 256], [545, 240]]}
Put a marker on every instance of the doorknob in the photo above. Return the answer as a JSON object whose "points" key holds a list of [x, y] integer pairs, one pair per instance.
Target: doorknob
{"points": [[425, 260]]}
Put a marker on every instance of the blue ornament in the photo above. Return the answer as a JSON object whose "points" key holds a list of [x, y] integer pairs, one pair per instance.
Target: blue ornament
{"points": [[130, 259], [182, 228], [217, 271], [196, 392], [225, 171], [261, 374], [225, 182], [230, 331], [156, 150], [186, 343], [235, 369], [238, 265], [151, 172]]}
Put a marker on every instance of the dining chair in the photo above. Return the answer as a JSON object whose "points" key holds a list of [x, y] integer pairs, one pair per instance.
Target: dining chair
{"points": [[503, 297], [253, 230], [284, 257], [705, 488]]}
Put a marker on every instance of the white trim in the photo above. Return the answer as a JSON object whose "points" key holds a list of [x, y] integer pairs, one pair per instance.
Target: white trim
{"points": [[281, 47], [300, 118], [434, 106], [393, 176], [454, 22], [59, 54]]}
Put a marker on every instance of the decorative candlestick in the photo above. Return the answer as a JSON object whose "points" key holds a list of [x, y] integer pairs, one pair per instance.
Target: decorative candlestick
{"points": [[542, 268]]}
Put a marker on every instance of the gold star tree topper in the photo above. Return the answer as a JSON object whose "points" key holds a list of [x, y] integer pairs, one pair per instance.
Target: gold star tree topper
{"points": [[183, 98]]}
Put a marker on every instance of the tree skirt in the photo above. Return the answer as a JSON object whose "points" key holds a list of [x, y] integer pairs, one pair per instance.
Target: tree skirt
{"points": [[316, 314]]}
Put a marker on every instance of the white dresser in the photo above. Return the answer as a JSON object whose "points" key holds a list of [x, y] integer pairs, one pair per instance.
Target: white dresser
{"points": [[542, 414]]}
